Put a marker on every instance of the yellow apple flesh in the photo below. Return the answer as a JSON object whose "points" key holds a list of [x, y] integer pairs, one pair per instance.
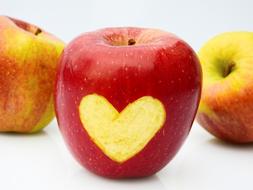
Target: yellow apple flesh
{"points": [[28, 60], [121, 135], [226, 107]]}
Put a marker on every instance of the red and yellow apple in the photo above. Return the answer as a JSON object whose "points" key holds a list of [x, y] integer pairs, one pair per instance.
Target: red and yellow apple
{"points": [[226, 108], [126, 99], [28, 60]]}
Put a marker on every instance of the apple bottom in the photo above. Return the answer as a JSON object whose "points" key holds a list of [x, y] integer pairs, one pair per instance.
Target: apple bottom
{"points": [[152, 158], [231, 133]]}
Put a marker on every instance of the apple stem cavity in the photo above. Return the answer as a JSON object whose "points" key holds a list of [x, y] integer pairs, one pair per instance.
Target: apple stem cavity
{"points": [[228, 69], [131, 42], [26, 26]]}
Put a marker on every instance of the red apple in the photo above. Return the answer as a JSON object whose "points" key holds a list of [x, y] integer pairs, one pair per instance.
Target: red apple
{"points": [[28, 59], [126, 99]]}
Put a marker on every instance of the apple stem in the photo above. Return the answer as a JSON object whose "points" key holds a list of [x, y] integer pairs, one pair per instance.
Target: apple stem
{"points": [[38, 31], [131, 42], [228, 69]]}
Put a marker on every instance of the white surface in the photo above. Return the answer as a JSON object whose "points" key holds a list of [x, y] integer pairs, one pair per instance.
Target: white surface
{"points": [[42, 161]]}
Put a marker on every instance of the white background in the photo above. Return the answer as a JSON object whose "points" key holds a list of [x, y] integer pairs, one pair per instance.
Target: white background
{"points": [[42, 161]]}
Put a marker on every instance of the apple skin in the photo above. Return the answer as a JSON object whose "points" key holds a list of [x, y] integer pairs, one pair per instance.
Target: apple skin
{"points": [[226, 106], [28, 60], [159, 65]]}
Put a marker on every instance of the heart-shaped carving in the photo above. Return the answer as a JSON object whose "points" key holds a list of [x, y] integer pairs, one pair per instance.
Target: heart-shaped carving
{"points": [[121, 135]]}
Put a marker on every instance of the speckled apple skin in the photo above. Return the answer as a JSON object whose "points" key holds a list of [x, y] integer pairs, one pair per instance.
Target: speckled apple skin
{"points": [[167, 70]]}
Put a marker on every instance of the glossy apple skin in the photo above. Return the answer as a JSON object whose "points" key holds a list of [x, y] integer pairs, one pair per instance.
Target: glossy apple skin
{"points": [[167, 70], [27, 72]]}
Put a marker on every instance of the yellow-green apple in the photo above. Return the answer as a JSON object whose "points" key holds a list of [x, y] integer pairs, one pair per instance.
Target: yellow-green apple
{"points": [[126, 99], [28, 60], [226, 108]]}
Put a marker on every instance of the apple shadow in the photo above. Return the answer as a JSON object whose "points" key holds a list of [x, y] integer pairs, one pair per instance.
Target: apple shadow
{"points": [[231, 145], [41, 133], [83, 176]]}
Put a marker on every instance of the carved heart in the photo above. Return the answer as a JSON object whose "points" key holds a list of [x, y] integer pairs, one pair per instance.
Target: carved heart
{"points": [[121, 135]]}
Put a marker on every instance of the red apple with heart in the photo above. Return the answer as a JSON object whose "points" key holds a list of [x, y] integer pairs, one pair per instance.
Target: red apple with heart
{"points": [[126, 99]]}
